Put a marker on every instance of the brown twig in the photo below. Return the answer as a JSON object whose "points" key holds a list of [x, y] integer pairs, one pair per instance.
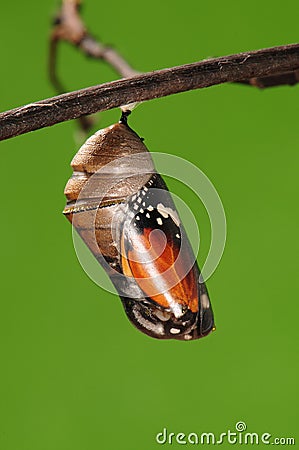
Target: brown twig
{"points": [[256, 64]]}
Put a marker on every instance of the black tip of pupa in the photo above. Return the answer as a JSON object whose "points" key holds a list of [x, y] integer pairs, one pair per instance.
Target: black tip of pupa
{"points": [[124, 117], [124, 121]]}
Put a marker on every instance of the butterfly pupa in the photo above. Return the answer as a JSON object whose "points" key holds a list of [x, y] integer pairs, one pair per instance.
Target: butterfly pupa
{"points": [[123, 211]]}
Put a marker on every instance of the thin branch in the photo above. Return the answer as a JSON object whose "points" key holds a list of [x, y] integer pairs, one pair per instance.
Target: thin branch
{"points": [[96, 50], [260, 63]]}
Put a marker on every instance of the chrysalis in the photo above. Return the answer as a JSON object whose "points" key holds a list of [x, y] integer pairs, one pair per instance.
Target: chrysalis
{"points": [[123, 211]]}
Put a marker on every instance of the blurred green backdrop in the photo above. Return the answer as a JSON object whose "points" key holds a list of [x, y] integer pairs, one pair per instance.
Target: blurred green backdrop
{"points": [[75, 374]]}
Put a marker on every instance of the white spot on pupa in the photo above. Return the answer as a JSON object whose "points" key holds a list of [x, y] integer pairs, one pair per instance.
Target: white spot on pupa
{"points": [[135, 206], [175, 307], [139, 200], [148, 216], [145, 188], [178, 236], [204, 300], [143, 193], [150, 208], [187, 337], [134, 198], [137, 218], [174, 330], [143, 204], [163, 210], [156, 328], [159, 221], [164, 316], [141, 210]]}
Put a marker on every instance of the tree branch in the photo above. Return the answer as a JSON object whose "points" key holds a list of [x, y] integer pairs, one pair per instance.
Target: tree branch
{"points": [[260, 63]]}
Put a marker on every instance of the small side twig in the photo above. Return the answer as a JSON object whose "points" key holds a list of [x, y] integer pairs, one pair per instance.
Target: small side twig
{"points": [[287, 78]]}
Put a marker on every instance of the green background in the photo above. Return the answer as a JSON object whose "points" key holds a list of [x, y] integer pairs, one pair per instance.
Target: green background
{"points": [[75, 374]]}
